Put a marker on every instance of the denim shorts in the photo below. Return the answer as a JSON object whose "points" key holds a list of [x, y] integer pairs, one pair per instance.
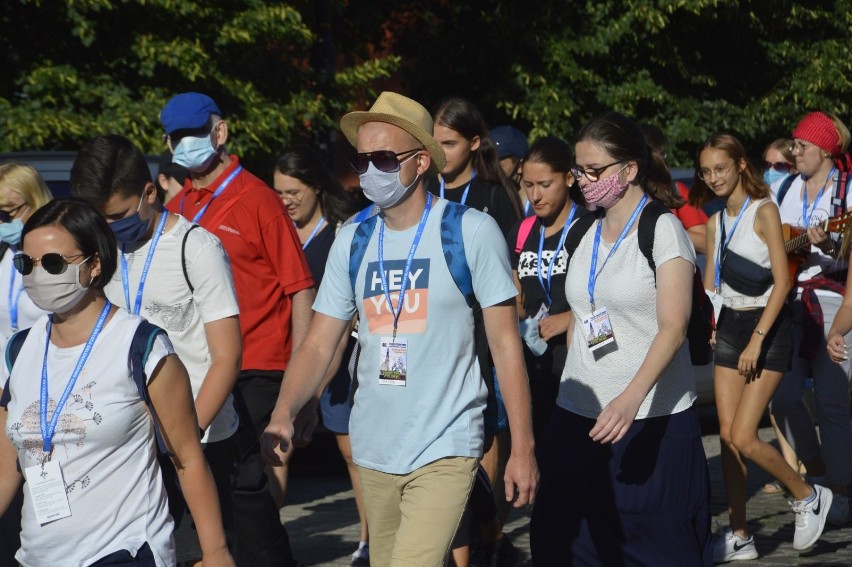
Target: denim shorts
{"points": [[735, 329]]}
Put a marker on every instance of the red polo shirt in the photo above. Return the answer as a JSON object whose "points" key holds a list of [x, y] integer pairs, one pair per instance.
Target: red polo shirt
{"points": [[690, 216], [266, 259]]}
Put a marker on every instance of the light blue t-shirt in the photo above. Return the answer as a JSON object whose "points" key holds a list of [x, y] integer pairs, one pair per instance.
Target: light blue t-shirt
{"points": [[438, 413]]}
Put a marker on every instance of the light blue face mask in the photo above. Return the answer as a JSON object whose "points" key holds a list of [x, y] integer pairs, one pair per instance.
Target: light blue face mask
{"points": [[771, 176], [10, 232], [195, 152]]}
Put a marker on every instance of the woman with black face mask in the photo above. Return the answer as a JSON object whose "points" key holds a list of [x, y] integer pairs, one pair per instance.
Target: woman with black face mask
{"points": [[76, 427]]}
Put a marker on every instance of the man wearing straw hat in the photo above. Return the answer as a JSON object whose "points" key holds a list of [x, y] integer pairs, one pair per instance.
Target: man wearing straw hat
{"points": [[416, 426]]}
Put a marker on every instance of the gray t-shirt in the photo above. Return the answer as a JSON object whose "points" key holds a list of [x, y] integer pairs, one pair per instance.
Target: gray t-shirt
{"points": [[626, 287], [438, 413]]}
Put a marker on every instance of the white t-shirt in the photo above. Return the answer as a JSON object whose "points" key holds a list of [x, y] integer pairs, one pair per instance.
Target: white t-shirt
{"points": [[744, 242], [438, 412], [168, 303], [816, 262], [104, 442], [12, 292], [626, 287]]}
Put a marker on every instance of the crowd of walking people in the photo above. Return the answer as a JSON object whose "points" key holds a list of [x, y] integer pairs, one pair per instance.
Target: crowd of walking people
{"points": [[485, 323]]}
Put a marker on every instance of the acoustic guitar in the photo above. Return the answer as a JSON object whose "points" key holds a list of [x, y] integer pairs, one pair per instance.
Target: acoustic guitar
{"points": [[796, 238]]}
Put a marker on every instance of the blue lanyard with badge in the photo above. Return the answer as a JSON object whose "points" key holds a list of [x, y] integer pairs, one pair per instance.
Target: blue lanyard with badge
{"points": [[393, 355], [313, 232], [218, 192], [125, 276], [807, 216], [14, 299], [466, 189], [546, 284], [44, 480], [597, 326], [715, 296]]}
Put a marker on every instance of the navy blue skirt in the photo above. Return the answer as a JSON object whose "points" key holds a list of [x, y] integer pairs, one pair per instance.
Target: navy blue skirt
{"points": [[642, 501]]}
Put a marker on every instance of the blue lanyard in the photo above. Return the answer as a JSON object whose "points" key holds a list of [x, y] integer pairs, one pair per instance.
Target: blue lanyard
{"points": [[806, 218], [14, 298], [527, 208], [49, 429], [218, 192], [385, 287], [548, 287], [125, 277], [466, 189], [724, 240], [593, 272], [314, 232]]}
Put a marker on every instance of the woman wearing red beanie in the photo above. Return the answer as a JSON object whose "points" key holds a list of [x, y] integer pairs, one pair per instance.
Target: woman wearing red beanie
{"points": [[819, 192]]}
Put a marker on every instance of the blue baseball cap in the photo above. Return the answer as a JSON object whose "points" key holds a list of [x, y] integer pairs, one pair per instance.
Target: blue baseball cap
{"points": [[187, 111], [510, 142]]}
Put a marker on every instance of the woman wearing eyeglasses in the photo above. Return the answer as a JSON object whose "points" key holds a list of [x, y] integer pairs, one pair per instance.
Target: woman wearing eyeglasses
{"points": [[624, 477], [22, 191], [75, 425], [747, 274], [821, 191]]}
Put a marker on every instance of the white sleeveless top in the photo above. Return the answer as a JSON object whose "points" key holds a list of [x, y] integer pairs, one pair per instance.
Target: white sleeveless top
{"points": [[747, 244]]}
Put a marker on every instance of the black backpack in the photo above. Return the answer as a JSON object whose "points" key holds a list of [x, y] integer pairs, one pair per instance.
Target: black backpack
{"points": [[700, 327], [140, 347]]}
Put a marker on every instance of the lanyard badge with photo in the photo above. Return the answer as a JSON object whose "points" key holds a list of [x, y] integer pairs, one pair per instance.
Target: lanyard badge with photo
{"points": [[393, 354], [597, 325]]}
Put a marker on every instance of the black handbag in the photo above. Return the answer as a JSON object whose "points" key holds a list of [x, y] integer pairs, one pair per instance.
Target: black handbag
{"points": [[744, 276]]}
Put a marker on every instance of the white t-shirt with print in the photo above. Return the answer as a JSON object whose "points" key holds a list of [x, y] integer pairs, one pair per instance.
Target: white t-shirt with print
{"points": [[438, 413], [626, 287], [168, 303], [104, 442]]}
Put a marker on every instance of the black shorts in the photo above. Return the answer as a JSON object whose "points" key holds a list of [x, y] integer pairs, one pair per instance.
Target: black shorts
{"points": [[733, 333]]}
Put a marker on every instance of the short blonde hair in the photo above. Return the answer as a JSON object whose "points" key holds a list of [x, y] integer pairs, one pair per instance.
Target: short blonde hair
{"points": [[26, 181]]}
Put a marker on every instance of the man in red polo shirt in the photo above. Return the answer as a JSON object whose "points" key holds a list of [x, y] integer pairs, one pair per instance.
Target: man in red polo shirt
{"points": [[274, 288]]}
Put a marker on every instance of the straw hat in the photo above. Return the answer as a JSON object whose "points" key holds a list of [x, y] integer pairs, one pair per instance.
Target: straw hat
{"points": [[400, 111]]}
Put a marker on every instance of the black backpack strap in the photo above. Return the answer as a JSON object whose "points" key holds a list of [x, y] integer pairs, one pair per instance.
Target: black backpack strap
{"points": [[143, 340], [577, 231], [646, 229], [784, 187], [183, 257]]}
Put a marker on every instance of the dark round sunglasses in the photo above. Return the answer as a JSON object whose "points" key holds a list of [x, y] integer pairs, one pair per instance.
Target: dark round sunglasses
{"points": [[781, 166], [53, 263], [6, 216], [384, 160]]}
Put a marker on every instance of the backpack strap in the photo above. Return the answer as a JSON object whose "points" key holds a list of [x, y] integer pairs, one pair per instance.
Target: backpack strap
{"points": [[577, 231], [183, 257], [646, 229], [140, 347], [838, 200], [784, 187], [524, 232], [452, 243], [13, 348], [359, 246]]}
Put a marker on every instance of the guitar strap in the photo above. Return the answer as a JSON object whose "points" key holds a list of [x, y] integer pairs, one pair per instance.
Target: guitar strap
{"points": [[838, 201]]}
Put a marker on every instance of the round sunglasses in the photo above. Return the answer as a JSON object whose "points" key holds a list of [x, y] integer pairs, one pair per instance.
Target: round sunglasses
{"points": [[781, 166], [384, 160], [53, 263]]}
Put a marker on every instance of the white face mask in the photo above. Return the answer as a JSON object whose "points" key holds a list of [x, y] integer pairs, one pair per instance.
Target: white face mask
{"points": [[385, 189], [55, 293], [195, 152]]}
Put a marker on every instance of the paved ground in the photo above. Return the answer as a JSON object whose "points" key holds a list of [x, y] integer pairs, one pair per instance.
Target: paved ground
{"points": [[323, 525]]}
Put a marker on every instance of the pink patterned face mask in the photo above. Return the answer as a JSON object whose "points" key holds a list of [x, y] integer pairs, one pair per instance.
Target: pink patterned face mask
{"points": [[605, 192]]}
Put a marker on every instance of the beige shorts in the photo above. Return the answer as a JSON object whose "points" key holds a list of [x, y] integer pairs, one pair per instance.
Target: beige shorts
{"points": [[412, 518]]}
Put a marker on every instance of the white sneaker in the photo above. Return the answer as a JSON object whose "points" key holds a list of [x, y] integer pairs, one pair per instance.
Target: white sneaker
{"points": [[728, 546], [810, 517], [838, 512]]}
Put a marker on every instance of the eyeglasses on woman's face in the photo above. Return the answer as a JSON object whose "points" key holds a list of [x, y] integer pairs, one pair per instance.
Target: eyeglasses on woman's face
{"points": [[779, 166], [384, 160], [52, 262], [799, 147], [706, 174], [8, 214], [591, 173]]}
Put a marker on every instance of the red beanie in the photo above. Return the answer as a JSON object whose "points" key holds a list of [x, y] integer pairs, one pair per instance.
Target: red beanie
{"points": [[818, 129]]}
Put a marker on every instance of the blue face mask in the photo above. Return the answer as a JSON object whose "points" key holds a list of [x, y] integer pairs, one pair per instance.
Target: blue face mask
{"points": [[195, 153], [130, 229], [771, 176], [10, 232]]}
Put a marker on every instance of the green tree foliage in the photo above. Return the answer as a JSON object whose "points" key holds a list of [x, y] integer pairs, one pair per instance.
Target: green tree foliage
{"points": [[77, 68]]}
